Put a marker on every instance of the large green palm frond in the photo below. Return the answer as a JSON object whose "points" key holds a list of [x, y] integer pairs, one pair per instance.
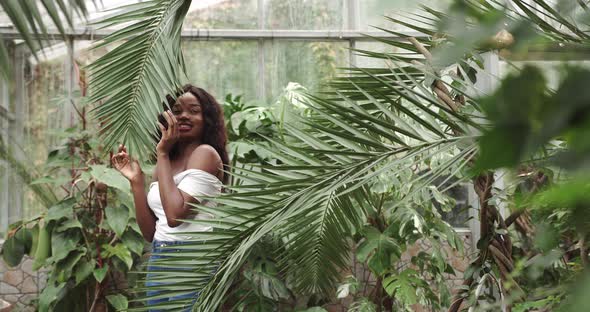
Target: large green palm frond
{"points": [[374, 122], [132, 80], [315, 199], [28, 19], [562, 22]]}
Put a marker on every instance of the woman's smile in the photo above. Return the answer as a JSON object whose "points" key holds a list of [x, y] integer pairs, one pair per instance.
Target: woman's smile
{"points": [[184, 127]]}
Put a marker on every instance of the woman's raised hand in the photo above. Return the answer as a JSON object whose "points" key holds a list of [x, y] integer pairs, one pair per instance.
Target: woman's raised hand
{"points": [[128, 167], [170, 135]]}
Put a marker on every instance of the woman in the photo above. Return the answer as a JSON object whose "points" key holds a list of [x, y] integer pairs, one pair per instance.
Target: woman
{"points": [[191, 157]]}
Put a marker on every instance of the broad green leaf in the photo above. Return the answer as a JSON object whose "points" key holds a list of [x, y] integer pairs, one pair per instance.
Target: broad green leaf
{"points": [[69, 224], [63, 209], [100, 273], [378, 249], [118, 301], [13, 249], [110, 177], [117, 218], [50, 294], [83, 270], [403, 286], [134, 242], [62, 243], [65, 266], [120, 251]]}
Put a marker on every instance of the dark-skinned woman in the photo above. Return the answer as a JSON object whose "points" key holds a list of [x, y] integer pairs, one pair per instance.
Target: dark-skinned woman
{"points": [[191, 158]]}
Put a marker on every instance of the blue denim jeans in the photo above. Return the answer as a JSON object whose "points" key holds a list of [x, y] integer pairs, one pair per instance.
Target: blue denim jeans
{"points": [[159, 250]]}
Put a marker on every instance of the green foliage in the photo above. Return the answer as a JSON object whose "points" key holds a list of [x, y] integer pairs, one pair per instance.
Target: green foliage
{"points": [[404, 286], [548, 155], [513, 111], [15, 246], [383, 248], [246, 123], [260, 286], [363, 305], [82, 238], [118, 301], [322, 187], [133, 79]]}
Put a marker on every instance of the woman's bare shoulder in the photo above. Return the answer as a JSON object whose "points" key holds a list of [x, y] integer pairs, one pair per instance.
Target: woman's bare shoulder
{"points": [[205, 158]]}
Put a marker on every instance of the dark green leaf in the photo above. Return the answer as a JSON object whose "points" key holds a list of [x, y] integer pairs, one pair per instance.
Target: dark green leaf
{"points": [[117, 218], [110, 177], [63, 209], [118, 301], [50, 294], [83, 269], [100, 273]]}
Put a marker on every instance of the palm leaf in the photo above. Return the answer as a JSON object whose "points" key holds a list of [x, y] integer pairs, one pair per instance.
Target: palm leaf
{"points": [[373, 122], [133, 79], [26, 17]]}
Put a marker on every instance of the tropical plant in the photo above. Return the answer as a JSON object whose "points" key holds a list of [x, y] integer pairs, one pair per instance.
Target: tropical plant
{"points": [[342, 150], [132, 80], [88, 240], [422, 113], [245, 123], [382, 121]]}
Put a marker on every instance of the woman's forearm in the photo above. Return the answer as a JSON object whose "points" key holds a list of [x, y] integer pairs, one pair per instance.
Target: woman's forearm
{"points": [[145, 219], [172, 199]]}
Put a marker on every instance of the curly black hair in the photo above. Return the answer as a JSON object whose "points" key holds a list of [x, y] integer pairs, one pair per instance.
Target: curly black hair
{"points": [[214, 132]]}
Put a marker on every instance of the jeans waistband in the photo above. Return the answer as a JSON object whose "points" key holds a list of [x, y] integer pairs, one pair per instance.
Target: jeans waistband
{"points": [[158, 243]]}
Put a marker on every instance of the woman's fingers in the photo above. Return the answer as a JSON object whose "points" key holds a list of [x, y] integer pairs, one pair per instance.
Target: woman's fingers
{"points": [[169, 120], [172, 129], [116, 161], [162, 128], [120, 157], [174, 124], [174, 120]]}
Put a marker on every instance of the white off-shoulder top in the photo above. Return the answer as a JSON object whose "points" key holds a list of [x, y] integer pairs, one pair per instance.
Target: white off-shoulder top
{"points": [[194, 182]]}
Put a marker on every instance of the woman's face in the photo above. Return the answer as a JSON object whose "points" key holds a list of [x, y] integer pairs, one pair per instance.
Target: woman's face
{"points": [[189, 114]]}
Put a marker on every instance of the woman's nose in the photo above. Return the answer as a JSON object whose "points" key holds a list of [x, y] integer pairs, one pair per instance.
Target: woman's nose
{"points": [[183, 114]]}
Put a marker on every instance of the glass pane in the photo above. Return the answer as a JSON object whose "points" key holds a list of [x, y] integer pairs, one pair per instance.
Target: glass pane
{"points": [[45, 95], [458, 215], [309, 14], [371, 62], [227, 14], [44, 115], [307, 63], [372, 12], [85, 55], [223, 67]]}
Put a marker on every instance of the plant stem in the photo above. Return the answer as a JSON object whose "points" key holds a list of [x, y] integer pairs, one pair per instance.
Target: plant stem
{"points": [[96, 295]]}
